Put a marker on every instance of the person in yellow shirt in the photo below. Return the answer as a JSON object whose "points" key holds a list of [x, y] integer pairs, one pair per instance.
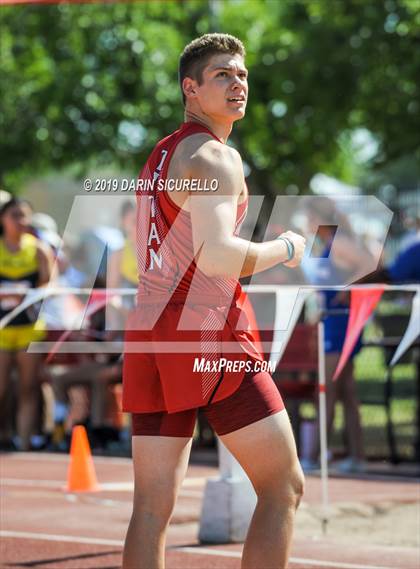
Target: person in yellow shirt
{"points": [[123, 272], [25, 262]]}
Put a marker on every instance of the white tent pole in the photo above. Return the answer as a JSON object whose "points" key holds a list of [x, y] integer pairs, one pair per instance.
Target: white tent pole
{"points": [[323, 426]]}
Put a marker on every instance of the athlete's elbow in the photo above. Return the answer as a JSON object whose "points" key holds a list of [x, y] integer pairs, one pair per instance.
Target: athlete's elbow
{"points": [[217, 261], [218, 268], [211, 269]]}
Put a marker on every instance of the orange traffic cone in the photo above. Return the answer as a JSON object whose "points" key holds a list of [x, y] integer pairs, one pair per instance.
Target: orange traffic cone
{"points": [[81, 476]]}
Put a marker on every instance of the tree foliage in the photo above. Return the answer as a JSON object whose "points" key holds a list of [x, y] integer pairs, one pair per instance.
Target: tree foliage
{"points": [[97, 83]]}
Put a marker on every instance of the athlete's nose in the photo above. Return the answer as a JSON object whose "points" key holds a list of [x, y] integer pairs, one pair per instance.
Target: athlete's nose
{"points": [[238, 82], [239, 85]]}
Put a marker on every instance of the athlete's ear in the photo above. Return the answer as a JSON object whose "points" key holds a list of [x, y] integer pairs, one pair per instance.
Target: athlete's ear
{"points": [[189, 87]]}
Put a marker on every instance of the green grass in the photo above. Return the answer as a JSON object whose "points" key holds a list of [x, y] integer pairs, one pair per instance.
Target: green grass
{"points": [[369, 364]]}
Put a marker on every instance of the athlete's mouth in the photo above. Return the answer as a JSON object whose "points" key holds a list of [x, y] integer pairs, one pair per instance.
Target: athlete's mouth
{"points": [[236, 99]]}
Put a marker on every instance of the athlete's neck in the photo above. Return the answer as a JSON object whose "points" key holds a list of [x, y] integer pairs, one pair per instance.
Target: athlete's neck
{"points": [[222, 131]]}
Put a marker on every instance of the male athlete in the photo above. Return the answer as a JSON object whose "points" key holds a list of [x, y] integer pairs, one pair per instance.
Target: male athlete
{"points": [[190, 258]]}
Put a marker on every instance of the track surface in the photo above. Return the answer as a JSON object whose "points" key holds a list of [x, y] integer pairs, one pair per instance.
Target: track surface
{"points": [[43, 526]]}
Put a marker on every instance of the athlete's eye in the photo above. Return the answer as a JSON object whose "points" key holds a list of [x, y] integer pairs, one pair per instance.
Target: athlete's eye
{"points": [[224, 73]]}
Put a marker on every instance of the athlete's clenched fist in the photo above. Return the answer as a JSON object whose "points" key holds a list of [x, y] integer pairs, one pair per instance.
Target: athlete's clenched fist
{"points": [[298, 243]]}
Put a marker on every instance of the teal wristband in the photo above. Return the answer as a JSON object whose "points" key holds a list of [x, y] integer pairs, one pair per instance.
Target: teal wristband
{"points": [[290, 248]]}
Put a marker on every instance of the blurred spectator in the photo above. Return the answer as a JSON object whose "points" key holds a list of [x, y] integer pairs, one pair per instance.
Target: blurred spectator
{"points": [[122, 272], [406, 266], [71, 265], [125, 260], [412, 226], [348, 254], [83, 382], [96, 244], [84, 395], [25, 262], [88, 391], [404, 269], [45, 228], [4, 197]]}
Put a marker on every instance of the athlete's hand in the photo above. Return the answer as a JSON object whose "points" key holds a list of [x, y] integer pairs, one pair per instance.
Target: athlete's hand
{"points": [[299, 244]]}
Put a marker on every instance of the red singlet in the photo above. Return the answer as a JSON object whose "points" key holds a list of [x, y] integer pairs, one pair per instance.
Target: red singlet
{"points": [[178, 305]]}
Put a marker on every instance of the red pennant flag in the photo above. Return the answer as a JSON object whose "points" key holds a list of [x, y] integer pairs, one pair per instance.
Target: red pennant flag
{"points": [[362, 304]]}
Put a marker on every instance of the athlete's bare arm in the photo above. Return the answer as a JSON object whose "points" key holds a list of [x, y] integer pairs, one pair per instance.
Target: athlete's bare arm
{"points": [[213, 218]]}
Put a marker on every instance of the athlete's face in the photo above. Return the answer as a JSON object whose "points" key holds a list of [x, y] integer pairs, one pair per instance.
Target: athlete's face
{"points": [[223, 93]]}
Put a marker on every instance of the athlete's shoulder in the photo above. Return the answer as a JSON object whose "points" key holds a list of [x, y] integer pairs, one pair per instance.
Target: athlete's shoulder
{"points": [[214, 160], [212, 154]]}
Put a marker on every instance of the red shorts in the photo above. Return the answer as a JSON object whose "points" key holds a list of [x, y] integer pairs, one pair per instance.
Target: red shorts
{"points": [[155, 380], [256, 398]]}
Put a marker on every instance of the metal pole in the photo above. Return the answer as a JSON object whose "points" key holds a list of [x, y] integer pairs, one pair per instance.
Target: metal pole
{"points": [[323, 426]]}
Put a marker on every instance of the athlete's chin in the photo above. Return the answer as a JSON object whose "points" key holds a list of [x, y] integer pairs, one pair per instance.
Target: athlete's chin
{"points": [[237, 114], [230, 116]]}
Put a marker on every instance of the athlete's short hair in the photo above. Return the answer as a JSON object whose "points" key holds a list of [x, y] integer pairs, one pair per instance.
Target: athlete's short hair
{"points": [[197, 53]]}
